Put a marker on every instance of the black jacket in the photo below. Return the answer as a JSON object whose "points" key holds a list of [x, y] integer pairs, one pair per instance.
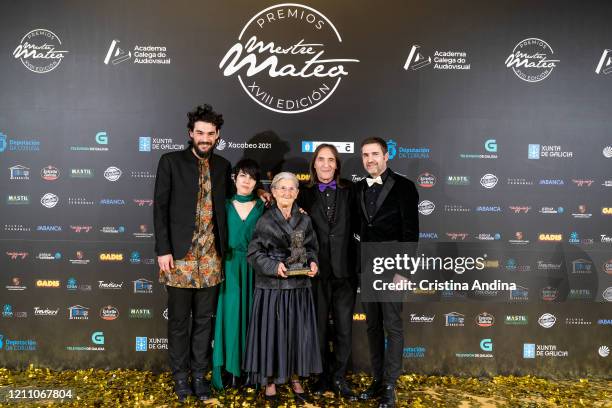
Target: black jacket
{"points": [[175, 201], [336, 244], [270, 245], [397, 215]]}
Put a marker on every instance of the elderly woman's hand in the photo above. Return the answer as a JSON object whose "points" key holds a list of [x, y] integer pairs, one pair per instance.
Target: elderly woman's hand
{"points": [[265, 197], [313, 269], [281, 269]]}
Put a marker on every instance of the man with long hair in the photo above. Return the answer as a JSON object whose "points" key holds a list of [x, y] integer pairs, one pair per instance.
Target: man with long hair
{"points": [[328, 200]]}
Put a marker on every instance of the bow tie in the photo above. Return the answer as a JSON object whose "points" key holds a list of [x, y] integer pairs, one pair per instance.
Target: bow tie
{"points": [[324, 186], [372, 181]]}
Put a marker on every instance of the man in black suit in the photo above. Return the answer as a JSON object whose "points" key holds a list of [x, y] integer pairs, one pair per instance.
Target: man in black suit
{"points": [[329, 202], [388, 211], [190, 240]]}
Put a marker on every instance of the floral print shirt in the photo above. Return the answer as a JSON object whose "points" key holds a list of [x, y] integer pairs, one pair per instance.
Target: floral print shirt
{"points": [[201, 267]]}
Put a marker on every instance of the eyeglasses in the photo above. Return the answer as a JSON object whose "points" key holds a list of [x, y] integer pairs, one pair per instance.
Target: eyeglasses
{"points": [[286, 189]]}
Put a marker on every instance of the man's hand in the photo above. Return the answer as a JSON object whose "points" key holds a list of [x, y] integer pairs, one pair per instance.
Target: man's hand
{"points": [[397, 278], [165, 262], [281, 269], [264, 196], [314, 269]]}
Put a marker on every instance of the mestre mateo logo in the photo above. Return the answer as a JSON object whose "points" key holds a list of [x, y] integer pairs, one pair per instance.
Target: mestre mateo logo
{"points": [[282, 53], [531, 60], [40, 51]]}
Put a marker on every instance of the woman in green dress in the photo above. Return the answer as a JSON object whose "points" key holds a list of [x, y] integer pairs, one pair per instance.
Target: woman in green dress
{"points": [[236, 292]]}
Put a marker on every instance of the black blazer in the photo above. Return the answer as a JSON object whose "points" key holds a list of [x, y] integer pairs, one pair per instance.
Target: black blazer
{"points": [[336, 245], [397, 214], [175, 201], [270, 245]]}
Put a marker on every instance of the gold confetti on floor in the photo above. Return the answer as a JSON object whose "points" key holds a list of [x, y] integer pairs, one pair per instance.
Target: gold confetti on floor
{"points": [[133, 388]]}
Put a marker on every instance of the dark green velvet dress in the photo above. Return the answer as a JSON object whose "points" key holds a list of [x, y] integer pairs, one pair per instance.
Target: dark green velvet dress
{"points": [[235, 294]]}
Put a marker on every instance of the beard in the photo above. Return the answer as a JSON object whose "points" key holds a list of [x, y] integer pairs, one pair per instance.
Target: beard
{"points": [[202, 153]]}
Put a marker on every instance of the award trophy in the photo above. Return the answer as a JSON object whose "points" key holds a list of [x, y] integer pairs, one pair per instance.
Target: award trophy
{"points": [[296, 262]]}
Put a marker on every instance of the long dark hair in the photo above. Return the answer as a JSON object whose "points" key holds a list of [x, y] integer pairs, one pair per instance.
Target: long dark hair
{"points": [[313, 172]]}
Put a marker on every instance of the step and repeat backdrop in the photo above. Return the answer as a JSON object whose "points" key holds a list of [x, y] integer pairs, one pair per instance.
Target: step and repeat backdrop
{"points": [[498, 111]]}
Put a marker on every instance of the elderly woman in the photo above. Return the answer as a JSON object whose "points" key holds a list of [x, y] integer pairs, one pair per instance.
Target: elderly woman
{"points": [[282, 340]]}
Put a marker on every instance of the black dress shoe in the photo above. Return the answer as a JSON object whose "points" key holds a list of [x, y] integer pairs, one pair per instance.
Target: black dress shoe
{"points": [[302, 398], [235, 383], [182, 389], [201, 388], [341, 389], [272, 399], [387, 399], [373, 391], [320, 386]]}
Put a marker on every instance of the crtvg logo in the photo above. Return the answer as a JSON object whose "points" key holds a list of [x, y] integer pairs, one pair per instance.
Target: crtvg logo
{"points": [[287, 70], [97, 338], [491, 145], [486, 345], [102, 138]]}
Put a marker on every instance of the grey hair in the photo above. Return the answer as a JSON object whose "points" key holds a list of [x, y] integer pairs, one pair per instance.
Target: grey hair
{"points": [[285, 175]]}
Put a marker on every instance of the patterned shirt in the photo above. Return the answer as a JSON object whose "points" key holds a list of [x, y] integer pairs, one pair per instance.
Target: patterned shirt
{"points": [[201, 267]]}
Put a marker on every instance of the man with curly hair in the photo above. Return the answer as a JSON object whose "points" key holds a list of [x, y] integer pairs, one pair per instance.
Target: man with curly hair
{"points": [[190, 240]]}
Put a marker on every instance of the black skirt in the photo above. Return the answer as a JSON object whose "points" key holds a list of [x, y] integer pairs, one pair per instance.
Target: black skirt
{"points": [[282, 338]]}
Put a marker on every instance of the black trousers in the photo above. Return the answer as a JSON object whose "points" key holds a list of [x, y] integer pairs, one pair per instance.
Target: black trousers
{"points": [[381, 317], [335, 295], [190, 349]]}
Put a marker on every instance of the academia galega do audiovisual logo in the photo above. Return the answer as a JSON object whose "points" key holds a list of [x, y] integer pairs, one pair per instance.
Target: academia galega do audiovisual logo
{"points": [[443, 60], [604, 66], [284, 58], [140, 54]]}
